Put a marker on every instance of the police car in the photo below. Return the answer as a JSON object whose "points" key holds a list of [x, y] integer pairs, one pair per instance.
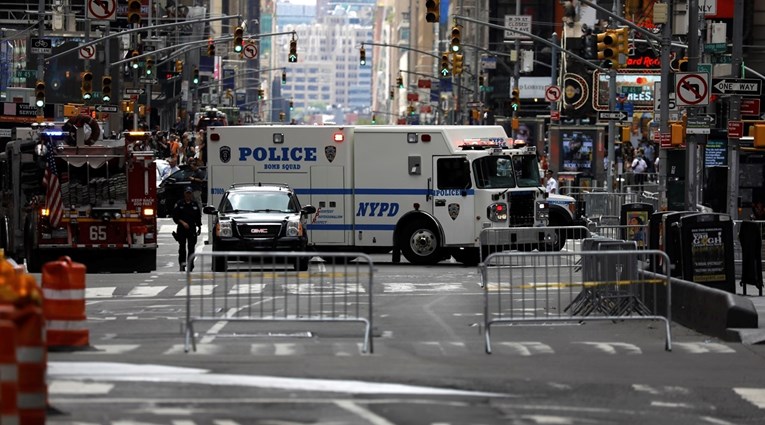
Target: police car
{"points": [[259, 216]]}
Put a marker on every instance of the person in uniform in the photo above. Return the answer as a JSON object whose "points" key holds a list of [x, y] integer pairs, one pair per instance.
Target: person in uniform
{"points": [[187, 214]]}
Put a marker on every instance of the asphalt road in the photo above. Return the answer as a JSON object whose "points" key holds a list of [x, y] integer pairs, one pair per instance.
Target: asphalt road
{"points": [[429, 364]]}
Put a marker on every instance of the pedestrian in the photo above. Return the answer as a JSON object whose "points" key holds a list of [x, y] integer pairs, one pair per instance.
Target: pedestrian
{"points": [[551, 185], [639, 167], [197, 179], [187, 214]]}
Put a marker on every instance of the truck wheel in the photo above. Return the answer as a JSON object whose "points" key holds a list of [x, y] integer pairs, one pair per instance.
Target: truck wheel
{"points": [[467, 256], [420, 243]]}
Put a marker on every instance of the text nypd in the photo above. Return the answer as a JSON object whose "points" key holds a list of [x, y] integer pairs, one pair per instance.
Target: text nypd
{"points": [[377, 209]]}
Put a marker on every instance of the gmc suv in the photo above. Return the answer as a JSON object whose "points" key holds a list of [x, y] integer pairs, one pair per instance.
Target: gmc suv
{"points": [[259, 217]]}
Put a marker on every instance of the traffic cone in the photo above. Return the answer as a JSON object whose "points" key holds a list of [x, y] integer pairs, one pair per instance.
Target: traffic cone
{"points": [[9, 385], [31, 359], [63, 285]]}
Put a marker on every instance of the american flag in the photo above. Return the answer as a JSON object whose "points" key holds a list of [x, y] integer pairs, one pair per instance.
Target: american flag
{"points": [[53, 200]]}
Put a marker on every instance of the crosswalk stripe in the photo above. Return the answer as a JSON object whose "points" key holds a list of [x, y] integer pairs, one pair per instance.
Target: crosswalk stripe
{"points": [[145, 291], [197, 290], [57, 387], [528, 348], [755, 396], [102, 292], [613, 347], [704, 347]]}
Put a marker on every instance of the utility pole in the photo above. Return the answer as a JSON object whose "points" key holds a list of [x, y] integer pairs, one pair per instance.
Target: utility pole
{"points": [[516, 70], [691, 145], [611, 107], [41, 57], [150, 76], [553, 71], [734, 109], [666, 40]]}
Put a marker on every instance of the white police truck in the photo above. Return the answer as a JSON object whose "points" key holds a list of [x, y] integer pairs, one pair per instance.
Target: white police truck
{"points": [[424, 191]]}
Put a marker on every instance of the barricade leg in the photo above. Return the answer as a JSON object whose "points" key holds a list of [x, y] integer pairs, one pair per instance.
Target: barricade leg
{"points": [[31, 357], [9, 414]]}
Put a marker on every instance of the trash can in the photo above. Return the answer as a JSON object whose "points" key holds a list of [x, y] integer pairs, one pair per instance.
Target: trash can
{"points": [[707, 250], [635, 216], [670, 243]]}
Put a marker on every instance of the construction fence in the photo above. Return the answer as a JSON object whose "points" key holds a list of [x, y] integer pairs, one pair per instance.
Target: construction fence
{"points": [[262, 289]]}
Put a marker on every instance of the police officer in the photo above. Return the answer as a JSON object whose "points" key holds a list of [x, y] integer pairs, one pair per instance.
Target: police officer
{"points": [[187, 214]]}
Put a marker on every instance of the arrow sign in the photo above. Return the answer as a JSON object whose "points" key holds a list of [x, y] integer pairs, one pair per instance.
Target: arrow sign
{"points": [[701, 121], [106, 108], [134, 91], [611, 116], [732, 86]]}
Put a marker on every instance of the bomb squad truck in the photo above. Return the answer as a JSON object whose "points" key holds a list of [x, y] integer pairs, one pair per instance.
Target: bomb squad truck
{"points": [[425, 192]]}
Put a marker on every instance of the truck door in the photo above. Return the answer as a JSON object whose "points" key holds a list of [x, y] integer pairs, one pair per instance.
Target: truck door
{"points": [[453, 195], [327, 194]]}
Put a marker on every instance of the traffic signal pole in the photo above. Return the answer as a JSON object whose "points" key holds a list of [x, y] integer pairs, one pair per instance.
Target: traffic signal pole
{"points": [[516, 73], [41, 57], [611, 107], [734, 108], [692, 142]]}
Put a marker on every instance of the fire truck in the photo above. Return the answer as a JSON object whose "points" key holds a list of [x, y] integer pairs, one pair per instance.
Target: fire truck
{"points": [[427, 191], [107, 210]]}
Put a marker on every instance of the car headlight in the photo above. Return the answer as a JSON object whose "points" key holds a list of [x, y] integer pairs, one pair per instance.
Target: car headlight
{"points": [[497, 212], [224, 229], [294, 228]]}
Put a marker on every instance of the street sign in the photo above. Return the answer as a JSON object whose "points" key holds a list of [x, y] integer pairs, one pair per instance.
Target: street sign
{"points": [[250, 51], [102, 10], [555, 115], [106, 108], [87, 52], [488, 89], [474, 104], [632, 89], [518, 23], [715, 48], [552, 93], [612, 116], [657, 99], [691, 89], [705, 67], [489, 62], [144, 80], [735, 129], [701, 121], [750, 106], [134, 91], [42, 46], [26, 73], [733, 86], [722, 59], [412, 97], [423, 83]]}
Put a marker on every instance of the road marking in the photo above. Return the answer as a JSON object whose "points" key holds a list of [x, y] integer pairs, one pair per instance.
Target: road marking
{"points": [[102, 292], [704, 347], [675, 390], [401, 287], [145, 291], [110, 349], [366, 414], [755, 396], [197, 290], [202, 349], [611, 347], [528, 348], [673, 405], [78, 388], [247, 288]]}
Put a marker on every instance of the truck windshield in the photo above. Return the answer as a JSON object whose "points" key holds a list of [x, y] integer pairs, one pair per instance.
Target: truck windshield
{"points": [[493, 172], [258, 202], [526, 170]]}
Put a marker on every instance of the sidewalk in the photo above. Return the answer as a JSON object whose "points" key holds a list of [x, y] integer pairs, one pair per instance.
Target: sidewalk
{"points": [[752, 336]]}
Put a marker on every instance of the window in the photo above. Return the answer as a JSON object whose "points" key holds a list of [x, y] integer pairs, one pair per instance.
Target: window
{"points": [[493, 172], [453, 173], [526, 170]]}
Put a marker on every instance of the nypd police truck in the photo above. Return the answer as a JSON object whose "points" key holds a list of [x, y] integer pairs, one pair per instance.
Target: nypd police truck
{"points": [[426, 192]]}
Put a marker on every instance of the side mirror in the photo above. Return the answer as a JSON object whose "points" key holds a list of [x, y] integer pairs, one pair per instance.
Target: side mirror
{"points": [[209, 209], [171, 179], [308, 209]]}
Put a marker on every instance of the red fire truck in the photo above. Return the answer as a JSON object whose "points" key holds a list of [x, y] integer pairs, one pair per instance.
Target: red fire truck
{"points": [[106, 216]]}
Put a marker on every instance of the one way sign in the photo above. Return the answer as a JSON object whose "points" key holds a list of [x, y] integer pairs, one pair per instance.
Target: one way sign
{"points": [[733, 86], [612, 116]]}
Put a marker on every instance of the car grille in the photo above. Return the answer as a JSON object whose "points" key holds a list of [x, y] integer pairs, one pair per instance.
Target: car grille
{"points": [[521, 209], [266, 230]]}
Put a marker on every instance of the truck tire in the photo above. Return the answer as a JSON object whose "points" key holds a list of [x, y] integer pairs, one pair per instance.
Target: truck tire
{"points": [[467, 256], [420, 243]]}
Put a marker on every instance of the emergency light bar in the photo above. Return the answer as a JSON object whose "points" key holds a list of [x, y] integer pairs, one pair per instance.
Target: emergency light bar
{"points": [[338, 137], [53, 133]]}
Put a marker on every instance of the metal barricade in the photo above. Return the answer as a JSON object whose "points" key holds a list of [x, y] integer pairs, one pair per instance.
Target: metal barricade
{"points": [[639, 233], [599, 204], [261, 287], [550, 287], [550, 238]]}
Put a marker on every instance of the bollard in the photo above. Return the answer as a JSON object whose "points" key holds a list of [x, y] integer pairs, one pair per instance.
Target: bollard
{"points": [[63, 284], [31, 358]]}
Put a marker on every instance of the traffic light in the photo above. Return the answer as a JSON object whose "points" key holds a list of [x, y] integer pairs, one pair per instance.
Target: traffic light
{"points": [[607, 46], [211, 49], [480, 80], [292, 105], [284, 78], [589, 47], [400, 82], [238, 39], [292, 58], [456, 38], [682, 65], [433, 12], [179, 66], [149, 66], [626, 133], [622, 45], [362, 56], [374, 119], [282, 116], [391, 95], [40, 94], [134, 12], [759, 136], [87, 85], [515, 99], [133, 54], [444, 65], [261, 94], [106, 88], [677, 134], [195, 76], [457, 65]]}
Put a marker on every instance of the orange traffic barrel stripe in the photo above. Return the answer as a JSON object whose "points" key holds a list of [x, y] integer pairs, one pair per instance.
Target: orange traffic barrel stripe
{"points": [[8, 373], [31, 358], [63, 283]]}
